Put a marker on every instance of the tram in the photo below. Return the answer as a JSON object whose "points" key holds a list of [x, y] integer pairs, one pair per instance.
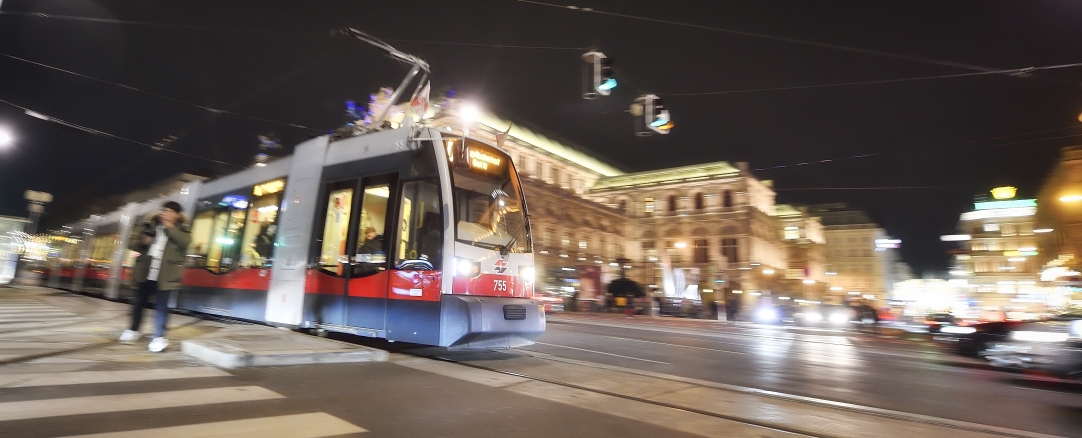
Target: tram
{"points": [[404, 234]]}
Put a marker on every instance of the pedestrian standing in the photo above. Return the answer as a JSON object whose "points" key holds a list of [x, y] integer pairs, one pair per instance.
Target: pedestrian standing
{"points": [[161, 240]]}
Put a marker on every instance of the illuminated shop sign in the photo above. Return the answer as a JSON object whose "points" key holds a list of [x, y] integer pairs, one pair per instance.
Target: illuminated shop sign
{"points": [[1014, 203], [999, 212]]}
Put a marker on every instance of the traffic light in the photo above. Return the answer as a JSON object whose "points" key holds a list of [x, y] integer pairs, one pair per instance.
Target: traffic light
{"points": [[597, 75], [650, 116]]}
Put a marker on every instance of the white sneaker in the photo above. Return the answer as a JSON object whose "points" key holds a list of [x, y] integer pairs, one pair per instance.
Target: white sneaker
{"points": [[158, 344], [129, 336]]}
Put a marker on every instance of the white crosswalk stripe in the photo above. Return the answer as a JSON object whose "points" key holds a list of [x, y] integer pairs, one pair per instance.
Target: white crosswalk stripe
{"points": [[97, 404], [295, 426], [86, 377], [307, 425]]}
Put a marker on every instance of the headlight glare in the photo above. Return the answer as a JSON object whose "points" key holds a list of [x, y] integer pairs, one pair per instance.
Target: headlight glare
{"points": [[958, 330], [466, 268], [526, 273]]}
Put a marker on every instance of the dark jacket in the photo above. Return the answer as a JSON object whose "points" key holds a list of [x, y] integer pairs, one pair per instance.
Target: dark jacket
{"points": [[179, 237]]}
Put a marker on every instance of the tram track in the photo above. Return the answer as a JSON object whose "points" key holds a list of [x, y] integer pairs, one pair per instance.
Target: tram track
{"points": [[961, 426], [764, 425]]}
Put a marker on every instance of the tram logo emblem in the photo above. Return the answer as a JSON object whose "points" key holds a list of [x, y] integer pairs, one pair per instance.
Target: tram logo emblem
{"points": [[500, 266]]}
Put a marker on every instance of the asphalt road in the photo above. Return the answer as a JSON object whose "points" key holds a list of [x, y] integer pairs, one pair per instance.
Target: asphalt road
{"points": [[830, 364]]}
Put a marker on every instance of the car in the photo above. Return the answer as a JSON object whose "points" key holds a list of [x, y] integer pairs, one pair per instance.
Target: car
{"points": [[551, 302], [824, 316], [1054, 346], [935, 321], [973, 339]]}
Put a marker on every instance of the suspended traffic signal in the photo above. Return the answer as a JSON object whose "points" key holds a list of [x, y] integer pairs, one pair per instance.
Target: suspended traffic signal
{"points": [[597, 75], [650, 116]]}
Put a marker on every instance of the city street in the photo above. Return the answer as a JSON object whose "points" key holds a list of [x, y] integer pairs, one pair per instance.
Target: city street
{"points": [[838, 365]]}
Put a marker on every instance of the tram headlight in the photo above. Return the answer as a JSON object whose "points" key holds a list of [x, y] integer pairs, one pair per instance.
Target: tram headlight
{"points": [[526, 273], [466, 268]]}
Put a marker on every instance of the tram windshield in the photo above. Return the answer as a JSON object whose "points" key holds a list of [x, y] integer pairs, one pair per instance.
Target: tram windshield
{"points": [[488, 202]]}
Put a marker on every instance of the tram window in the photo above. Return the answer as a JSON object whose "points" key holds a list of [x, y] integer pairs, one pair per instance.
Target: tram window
{"points": [[260, 229], [420, 237], [488, 208], [371, 246], [223, 250], [332, 251], [202, 229]]}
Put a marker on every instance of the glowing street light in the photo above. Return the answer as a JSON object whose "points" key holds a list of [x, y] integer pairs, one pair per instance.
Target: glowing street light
{"points": [[468, 114], [681, 245], [768, 271], [1070, 198], [5, 138]]}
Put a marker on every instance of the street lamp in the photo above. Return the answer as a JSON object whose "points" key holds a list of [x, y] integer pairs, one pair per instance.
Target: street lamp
{"points": [[468, 114], [6, 139]]}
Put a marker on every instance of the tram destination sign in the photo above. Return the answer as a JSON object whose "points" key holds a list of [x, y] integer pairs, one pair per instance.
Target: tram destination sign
{"points": [[484, 159]]}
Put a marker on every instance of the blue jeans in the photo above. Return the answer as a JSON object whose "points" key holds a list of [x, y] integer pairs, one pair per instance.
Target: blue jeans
{"points": [[161, 303]]}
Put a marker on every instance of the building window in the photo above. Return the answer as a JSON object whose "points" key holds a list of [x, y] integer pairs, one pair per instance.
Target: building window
{"points": [[851, 241], [727, 198], [730, 250], [672, 202], [550, 237], [991, 227], [852, 252], [649, 251], [698, 202], [582, 244], [701, 251], [623, 205], [648, 205], [792, 233], [565, 241]]}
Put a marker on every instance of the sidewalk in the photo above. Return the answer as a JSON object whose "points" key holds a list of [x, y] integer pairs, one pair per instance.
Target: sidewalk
{"points": [[38, 322]]}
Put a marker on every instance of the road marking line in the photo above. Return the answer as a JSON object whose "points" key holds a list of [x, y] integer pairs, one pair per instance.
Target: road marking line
{"points": [[676, 345], [85, 377], [314, 425], [22, 410], [602, 352]]}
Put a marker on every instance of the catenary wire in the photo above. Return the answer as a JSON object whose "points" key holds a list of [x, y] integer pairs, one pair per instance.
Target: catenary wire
{"points": [[1013, 71], [267, 32], [769, 37], [162, 96], [89, 130], [874, 154]]}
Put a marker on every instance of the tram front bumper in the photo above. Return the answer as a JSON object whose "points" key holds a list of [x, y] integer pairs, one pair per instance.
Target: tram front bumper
{"points": [[472, 322]]}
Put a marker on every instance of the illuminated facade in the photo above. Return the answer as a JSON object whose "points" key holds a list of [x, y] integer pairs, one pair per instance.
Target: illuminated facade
{"points": [[716, 223], [856, 265], [1059, 227], [998, 266]]}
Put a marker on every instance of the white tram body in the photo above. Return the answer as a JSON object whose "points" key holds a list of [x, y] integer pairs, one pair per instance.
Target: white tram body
{"points": [[401, 234]]}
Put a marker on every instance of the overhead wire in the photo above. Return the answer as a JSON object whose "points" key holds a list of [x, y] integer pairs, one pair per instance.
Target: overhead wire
{"points": [[93, 131], [874, 154], [269, 32], [1012, 71], [162, 96], [768, 37]]}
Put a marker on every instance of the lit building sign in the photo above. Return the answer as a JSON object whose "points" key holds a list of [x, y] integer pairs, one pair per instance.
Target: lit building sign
{"points": [[999, 212], [1014, 203], [955, 237], [268, 188], [888, 243], [1004, 192]]}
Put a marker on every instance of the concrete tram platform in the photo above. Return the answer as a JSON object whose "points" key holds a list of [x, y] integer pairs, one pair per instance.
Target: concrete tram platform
{"points": [[38, 322]]}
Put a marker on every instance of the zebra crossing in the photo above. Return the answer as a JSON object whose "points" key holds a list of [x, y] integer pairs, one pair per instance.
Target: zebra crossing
{"points": [[71, 394], [19, 412]]}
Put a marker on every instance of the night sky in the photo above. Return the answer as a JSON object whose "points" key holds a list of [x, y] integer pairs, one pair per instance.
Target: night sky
{"points": [[752, 81]]}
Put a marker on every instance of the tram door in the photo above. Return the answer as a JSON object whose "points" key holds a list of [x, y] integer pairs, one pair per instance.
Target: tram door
{"points": [[352, 288]]}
